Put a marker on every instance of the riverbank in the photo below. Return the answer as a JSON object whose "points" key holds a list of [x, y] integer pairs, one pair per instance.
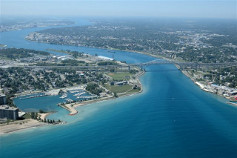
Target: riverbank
{"points": [[200, 85], [208, 88], [168, 59]]}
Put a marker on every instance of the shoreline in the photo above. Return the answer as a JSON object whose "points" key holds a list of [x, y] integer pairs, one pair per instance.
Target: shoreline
{"points": [[44, 115], [145, 53], [232, 103], [19, 125], [71, 107], [203, 88], [152, 55]]}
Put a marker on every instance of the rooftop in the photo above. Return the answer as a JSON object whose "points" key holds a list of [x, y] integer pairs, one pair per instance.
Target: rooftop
{"points": [[2, 95], [6, 107]]}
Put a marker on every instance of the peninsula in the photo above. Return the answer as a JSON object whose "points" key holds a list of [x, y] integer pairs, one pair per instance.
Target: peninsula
{"points": [[89, 78]]}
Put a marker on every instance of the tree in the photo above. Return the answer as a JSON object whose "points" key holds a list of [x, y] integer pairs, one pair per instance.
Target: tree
{"points": [[115, 95], [41, 111]]}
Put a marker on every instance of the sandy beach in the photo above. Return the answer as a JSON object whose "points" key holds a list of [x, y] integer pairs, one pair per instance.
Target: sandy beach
{"points": [[71, 108], [44, 115], [19, 125]]}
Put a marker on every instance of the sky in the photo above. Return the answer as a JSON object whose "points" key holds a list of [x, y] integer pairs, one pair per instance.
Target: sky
{"points": [[121, 8]]}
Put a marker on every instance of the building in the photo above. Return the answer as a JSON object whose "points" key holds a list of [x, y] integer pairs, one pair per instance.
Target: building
{"points": [[2, 99], [9, 112], [121, 83]]}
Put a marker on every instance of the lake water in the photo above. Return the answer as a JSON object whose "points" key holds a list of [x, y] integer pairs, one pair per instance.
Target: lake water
{"points": [[171, 118], [46, 103]]}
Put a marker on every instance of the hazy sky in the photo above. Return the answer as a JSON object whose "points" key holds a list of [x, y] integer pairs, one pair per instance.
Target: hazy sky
{"points": [[156, 8]]}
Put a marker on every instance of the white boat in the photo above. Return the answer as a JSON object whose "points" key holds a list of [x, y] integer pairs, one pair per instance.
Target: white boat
{"points": [[63, 96], [79, 94]]}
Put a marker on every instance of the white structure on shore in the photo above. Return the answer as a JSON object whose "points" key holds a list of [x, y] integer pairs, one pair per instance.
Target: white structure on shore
{"points": [[220, 90], [105, 58]]}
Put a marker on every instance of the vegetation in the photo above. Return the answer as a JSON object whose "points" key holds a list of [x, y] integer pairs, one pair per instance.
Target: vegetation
{"points": [[105, 63], [119, 89], [120, 76], [226, 76], [17, 80], [94, 88], [203, 41], [75, 54], [14, 53]]}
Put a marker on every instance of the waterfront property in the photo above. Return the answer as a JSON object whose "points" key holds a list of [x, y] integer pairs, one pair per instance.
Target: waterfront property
{"points": [[8, 112]]}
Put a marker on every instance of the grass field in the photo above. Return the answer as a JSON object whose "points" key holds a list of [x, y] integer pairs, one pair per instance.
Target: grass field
{"points": [[118, 89], [134, 91], [120, 76]]}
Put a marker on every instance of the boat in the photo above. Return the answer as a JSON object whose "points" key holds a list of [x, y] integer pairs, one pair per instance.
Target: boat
{"points": [[79, 94], [63, 96]]}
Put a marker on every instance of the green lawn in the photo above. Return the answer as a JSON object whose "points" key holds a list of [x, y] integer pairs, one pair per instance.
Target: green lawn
{"points": [[134, 91], [120, 76], [118, 89]]}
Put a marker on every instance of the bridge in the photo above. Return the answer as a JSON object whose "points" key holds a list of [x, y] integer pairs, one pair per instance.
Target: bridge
{"points": [[186, 64], [127, 67]]}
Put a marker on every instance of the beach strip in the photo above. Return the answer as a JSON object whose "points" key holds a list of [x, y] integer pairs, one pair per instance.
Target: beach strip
{"points": [[19, 125]]}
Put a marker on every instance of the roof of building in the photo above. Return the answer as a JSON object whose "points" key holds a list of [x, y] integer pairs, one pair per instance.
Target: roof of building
{"points": [[6, 107], [2, 95]]}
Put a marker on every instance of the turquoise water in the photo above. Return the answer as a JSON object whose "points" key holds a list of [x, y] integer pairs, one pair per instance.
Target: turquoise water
{"points": [[172, 118]]}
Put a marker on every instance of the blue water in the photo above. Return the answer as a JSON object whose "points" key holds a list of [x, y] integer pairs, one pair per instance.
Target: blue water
{"points": [[172, 118], [45, 103]]}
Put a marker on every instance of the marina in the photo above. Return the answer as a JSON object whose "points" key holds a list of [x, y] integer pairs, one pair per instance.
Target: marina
{"points": [[63, 96], [79, 94], [33, 96], [48, 103]]}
